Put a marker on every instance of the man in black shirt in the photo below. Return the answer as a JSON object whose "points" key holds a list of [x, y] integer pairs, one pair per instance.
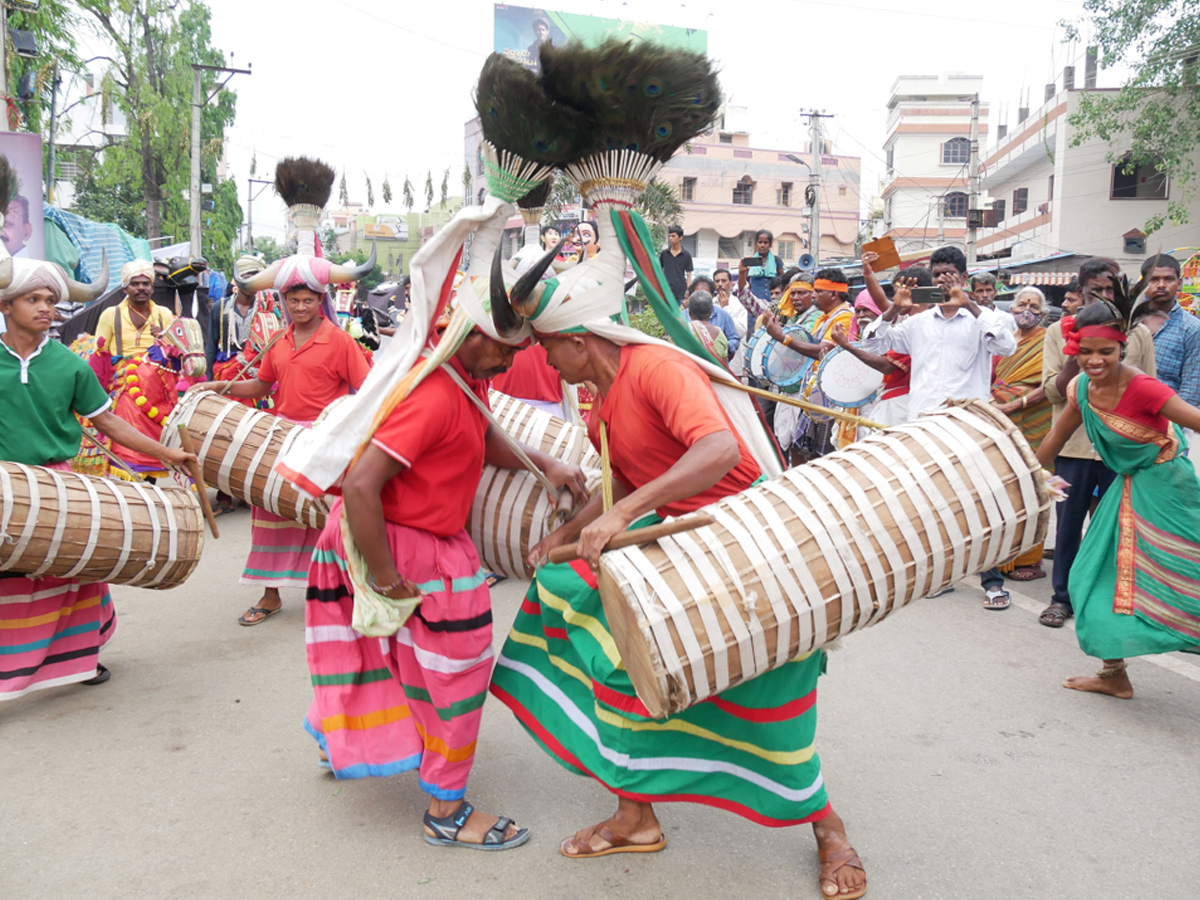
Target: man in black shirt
{"points": [[676, 263]]}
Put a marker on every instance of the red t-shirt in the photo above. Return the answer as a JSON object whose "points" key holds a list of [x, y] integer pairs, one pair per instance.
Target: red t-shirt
{"points": [[437, 433], [531, 377], [327, 366], [1143, 401], [659, 405], [896, 382]]}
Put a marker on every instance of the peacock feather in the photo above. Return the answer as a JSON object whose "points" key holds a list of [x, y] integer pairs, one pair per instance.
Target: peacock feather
{"points": [[536, 198], [9, 184], [519, 118], [299, 179], [643, 97]]}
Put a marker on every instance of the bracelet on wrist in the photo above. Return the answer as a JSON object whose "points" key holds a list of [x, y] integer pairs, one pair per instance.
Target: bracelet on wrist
{"points": [[384, 588]]}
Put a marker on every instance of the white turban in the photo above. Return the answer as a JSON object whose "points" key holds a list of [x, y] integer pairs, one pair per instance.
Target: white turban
{"points": [[31, 274], [248, 265], [134, 268]]}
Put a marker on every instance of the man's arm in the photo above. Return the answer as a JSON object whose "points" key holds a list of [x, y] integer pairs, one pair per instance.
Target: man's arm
{"points": [[498, 453], [1053, 362], [997, 339], [363, 503], [1189, 382], [250, 389], [113, 426], [704, 464], [729, 329]]}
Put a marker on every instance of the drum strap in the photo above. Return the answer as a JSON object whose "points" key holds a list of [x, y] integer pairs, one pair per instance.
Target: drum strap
{"points": [[606, 488]]}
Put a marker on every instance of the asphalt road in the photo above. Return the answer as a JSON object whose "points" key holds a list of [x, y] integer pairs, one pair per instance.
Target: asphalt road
{"points": [[961, 767]]}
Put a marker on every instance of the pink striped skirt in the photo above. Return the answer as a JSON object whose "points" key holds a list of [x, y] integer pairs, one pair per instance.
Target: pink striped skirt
{"points": [[51, 632], [414, 700], [280, 551]]}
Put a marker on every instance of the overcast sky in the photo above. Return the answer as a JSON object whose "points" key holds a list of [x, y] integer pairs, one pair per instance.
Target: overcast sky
{"points": [[385, 87]]}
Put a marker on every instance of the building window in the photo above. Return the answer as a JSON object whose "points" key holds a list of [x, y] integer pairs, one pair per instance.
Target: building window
{"points": [[956, 151], [954, 206], [1020, 201], [841, 190], [786, 249], [891, 158], [783, 194], [482, 195], [479, 159], [887, 213], [999, 207], [1142, 182], [743, 191], [726, 138], [1050, 188], [688, 191]]}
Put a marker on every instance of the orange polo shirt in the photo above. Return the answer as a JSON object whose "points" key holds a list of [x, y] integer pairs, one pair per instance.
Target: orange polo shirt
{"points": [[327, 366], [659, 405]]}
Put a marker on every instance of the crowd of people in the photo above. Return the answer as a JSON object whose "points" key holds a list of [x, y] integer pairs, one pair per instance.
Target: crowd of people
{"points": [[1105, 396]]}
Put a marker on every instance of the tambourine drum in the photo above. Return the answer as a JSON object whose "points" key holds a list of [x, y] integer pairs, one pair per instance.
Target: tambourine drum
{"points": [[770, 361], [66, 525], [845, 380], [511, 510], [824, 549], [238, 448]]}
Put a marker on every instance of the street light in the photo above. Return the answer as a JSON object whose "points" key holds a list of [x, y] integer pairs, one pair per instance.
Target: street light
{"points": [[811, 198]]}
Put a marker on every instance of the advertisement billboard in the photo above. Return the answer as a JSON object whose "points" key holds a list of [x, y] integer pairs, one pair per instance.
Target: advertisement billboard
{"points": [[23, 229], [521, 30]]}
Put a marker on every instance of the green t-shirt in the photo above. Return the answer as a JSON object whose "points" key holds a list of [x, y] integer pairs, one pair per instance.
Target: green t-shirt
{"points": [[37, 397]]}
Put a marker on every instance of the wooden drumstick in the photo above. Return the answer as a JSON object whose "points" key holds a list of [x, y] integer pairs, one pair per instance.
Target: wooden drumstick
{"points": [[193, 467], [647, 535], [250, 365]]}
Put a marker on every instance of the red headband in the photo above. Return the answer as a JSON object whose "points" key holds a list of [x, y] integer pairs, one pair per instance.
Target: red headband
{"points": [[824, 284], [1072, 338]]}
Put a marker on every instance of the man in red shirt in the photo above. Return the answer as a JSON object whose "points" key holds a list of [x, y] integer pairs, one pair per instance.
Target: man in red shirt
{"points": [[310, 366], [673, 448]]}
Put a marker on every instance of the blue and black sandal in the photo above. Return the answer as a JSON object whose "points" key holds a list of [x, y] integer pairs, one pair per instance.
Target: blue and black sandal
{"points": [[445, 831]]}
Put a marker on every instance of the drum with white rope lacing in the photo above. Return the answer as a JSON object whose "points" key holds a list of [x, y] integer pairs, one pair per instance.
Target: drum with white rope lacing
{"points": [[66, 525]]}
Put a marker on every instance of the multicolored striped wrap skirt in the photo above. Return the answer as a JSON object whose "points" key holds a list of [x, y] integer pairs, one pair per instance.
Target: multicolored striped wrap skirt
{"points": [[51, 632], [748, 750], [280, 551], [413, 700]]}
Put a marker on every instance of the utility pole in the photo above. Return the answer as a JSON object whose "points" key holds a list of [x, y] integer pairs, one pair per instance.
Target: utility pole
{"points": [[198, 104], [973, 212], [51, 181], [250, 198], [813, 194]]}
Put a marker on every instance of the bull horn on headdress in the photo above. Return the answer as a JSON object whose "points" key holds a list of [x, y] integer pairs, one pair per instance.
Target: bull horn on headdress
{"points": [[342, 274], [506, 320], [78, 292], [6, 270], [259, 281], [523, 298]]}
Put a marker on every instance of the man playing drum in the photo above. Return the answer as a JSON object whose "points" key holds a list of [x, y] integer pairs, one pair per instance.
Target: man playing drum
{"points": [[52, 629], [314, 363], [672, 448]]}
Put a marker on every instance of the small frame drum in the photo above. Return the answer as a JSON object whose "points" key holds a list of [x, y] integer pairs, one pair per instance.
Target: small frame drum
{"points": [[769, 361], [845, 380]]}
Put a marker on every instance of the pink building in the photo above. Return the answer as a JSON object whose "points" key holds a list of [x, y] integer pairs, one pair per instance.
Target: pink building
{"points": [[730, 190]]}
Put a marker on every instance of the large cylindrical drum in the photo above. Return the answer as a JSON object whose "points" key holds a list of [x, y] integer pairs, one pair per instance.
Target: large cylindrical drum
{"points": [[67, 525], [238, 448], [822, 550], [512, 510]]}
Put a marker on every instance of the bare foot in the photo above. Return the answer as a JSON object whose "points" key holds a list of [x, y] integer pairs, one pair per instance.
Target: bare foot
{"points": [[842, 874], [633, 825], [1117, 685], [476, 827]]}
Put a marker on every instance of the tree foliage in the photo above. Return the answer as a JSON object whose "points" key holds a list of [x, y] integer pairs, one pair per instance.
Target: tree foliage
{"points": [[357, 258], [387, 190], [343, 193], [1155, 116], [409, 199], [53, 25], [445, 188], [268, 247], [429, 190], [153, 44], [370, 191]]}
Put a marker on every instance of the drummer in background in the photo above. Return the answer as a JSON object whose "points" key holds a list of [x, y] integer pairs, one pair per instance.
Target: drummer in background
{"points": [[952, 348], [832, 299], [52, 629], [314, 363], [129, 328]]}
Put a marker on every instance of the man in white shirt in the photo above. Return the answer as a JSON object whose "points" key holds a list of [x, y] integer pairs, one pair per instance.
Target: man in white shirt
{"points": [[951, 348]]}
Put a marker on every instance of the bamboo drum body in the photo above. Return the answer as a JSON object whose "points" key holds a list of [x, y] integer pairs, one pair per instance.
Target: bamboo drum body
{"points": [[68, 525], [238, 448], [822, 550], [511, 510]]}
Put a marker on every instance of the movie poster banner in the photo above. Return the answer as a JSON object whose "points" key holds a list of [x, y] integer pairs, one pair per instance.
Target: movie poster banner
{"points": [[520, 31], [23, 229]]}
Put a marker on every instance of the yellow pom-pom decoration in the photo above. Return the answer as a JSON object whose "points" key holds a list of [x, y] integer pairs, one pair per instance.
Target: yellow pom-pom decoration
{"points": [[131, 379], [140, 401], [154, 412]]}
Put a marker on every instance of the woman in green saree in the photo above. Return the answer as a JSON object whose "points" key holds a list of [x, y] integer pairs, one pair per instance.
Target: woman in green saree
{"points": [[1137, 576], [1136, 581]]}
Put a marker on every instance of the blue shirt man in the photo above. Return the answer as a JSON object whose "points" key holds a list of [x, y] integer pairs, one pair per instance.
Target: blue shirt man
{"points": [[1177, 343]]}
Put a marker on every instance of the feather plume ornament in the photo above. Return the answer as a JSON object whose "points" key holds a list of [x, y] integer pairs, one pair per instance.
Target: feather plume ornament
{"points": [[299, 179], [532, 204], [646, 101], [528, 132]]}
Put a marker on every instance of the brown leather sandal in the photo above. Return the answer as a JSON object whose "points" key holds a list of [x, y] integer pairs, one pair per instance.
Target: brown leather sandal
{"points": [[829, 868], [617, 844]]}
